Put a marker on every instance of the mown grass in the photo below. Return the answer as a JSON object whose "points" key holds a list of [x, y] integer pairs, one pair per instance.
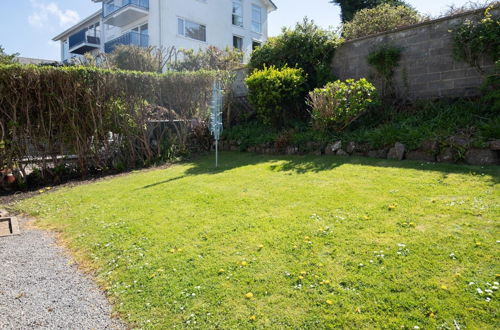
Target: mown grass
{"points": [[319, 242]]}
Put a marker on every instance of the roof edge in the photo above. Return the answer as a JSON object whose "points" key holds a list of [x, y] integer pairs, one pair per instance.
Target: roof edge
{"points": [[78, 25]]}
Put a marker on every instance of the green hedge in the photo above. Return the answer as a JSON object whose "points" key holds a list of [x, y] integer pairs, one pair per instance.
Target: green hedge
{"points": [[98, 116]]}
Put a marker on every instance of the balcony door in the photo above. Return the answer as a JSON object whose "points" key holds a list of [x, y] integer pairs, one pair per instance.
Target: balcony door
{"points": [[143, 32]]}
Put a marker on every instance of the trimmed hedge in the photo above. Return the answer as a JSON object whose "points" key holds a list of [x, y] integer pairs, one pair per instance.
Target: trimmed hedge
{"points": [[98, 117]]}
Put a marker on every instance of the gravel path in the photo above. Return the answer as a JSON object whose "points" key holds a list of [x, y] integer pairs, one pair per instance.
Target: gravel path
{"points": [[40, 289]]}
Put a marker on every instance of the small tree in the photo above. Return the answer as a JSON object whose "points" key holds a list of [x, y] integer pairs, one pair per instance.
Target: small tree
{"points": [[5, 58], [349, 8], [211, 58], [380, 19]]}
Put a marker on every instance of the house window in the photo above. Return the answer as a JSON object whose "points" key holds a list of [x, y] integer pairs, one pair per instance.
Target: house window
{"points": [[143, 29], [238, 13], [238, 42], [256, 19], [255, 44], [191, 30]]}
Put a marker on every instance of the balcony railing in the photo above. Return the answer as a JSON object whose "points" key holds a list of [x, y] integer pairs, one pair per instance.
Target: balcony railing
{"points": [[84, 41], [111, 8], [131, 38]]}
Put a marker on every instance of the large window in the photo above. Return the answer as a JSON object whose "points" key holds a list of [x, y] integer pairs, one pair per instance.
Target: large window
{"points": [[256, 19], [192, 30], [238, 13]]}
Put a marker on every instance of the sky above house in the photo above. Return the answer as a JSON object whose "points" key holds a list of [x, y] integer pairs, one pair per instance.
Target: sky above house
{"points": [[28, 26]]}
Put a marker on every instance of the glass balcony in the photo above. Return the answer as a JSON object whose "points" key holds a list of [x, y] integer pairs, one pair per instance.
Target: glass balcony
{"points": [[128, 12], [131, 38], [84, 41]]}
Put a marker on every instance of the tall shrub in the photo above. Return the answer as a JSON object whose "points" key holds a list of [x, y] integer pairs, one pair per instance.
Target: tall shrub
{"points": [[277, 95], [307, 47], [380, 19]]}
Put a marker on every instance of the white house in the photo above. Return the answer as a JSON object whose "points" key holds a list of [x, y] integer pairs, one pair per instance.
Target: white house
{"points": [[184, 24]]}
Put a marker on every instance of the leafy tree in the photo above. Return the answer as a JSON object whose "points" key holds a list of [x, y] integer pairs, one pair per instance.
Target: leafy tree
{"points": [[350, 7], [5, 58], [307, 47], [211, 58]]}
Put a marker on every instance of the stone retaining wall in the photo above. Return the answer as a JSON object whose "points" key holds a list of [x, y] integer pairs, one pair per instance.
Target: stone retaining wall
{"points": [[457, 149]]}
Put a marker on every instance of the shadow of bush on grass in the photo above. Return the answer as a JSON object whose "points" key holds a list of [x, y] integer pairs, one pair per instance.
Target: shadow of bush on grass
{"points": [[312, 163]]}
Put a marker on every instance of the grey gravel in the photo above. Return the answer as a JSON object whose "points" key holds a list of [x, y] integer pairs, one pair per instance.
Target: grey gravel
{"points": [[40, 288]]}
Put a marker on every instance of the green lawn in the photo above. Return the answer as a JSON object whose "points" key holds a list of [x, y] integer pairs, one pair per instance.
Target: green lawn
{"points": [[289, 242]]}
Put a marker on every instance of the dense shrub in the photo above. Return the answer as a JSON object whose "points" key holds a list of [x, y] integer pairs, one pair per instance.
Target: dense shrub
{"points": [[211, 58], [307, 47], [277, 95], [350, 7], [99, 116], [380, 19], [340, 103], [472, 40]]}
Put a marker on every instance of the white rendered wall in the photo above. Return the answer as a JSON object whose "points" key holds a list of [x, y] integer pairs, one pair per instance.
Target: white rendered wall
{"points": [[216, 15]]}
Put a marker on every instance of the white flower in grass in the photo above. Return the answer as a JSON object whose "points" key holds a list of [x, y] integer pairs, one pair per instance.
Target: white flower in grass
{"points": [[479, 291]]}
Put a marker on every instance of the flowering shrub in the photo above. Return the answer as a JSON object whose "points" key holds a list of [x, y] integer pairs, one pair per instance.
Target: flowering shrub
{"points": [[380, 19], [277, 94], [340, 103]]}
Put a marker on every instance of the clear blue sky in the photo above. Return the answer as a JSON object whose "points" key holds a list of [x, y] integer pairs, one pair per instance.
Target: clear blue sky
{"points": [[27, 26]]}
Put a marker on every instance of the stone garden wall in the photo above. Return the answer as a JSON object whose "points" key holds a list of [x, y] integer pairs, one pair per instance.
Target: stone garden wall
{"points": [[458, 149], [427, 69]]}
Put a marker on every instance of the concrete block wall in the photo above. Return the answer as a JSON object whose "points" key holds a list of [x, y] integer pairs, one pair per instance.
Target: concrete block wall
{"points": [[427, 69]]}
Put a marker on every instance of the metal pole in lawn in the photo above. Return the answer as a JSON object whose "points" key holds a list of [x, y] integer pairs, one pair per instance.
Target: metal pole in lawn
{"points": [[216, 117]]}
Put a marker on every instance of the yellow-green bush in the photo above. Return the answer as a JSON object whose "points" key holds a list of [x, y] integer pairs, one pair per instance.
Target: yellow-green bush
{"points": [[277, 94]]}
